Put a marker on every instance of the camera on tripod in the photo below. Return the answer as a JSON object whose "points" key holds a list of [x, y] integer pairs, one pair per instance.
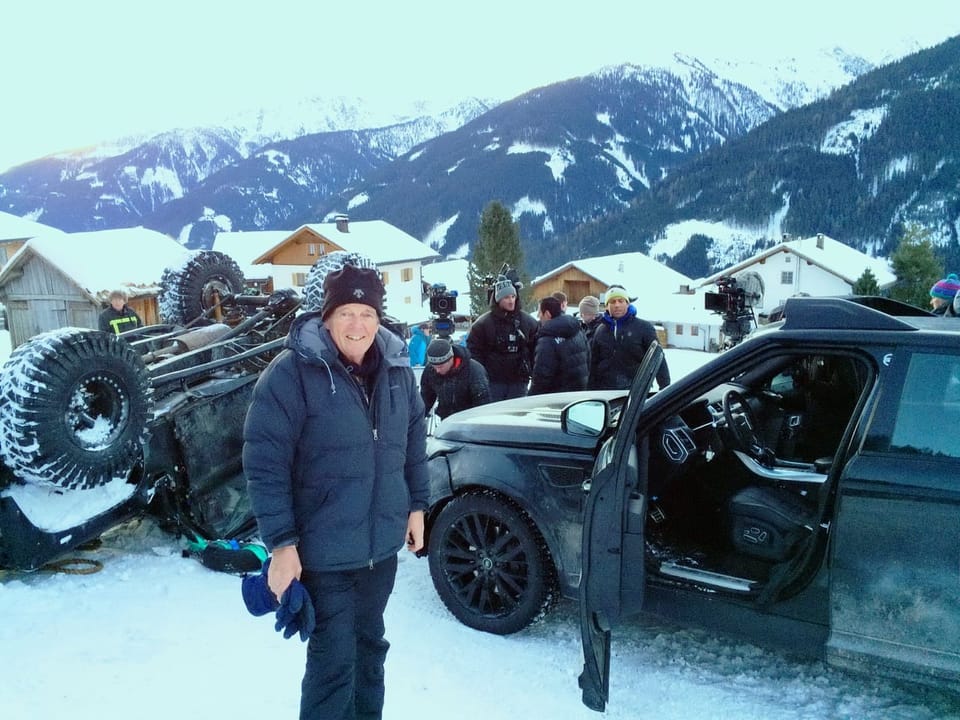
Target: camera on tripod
{"points": [[735, 304], [443, 304]]}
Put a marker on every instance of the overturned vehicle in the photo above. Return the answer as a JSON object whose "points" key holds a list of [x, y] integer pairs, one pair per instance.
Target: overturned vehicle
{"points": [[97, 429]]}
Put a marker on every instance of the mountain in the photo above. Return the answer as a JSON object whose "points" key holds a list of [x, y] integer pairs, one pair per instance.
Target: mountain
{"points": [[876, 156], [558, 156]]}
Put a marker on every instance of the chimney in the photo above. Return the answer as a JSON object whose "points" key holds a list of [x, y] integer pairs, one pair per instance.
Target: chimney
{"points": [[819, 241], [785, 237], [343, 223]]}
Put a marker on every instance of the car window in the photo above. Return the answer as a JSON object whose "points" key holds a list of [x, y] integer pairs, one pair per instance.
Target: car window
{"points": [[929, 411]]}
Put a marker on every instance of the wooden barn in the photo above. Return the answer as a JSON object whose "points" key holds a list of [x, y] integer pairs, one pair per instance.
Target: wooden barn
{"points": [[63, 279]]}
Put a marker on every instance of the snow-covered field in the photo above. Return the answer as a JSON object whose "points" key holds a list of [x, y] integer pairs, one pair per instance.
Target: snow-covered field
{"points": [[154, 636]]}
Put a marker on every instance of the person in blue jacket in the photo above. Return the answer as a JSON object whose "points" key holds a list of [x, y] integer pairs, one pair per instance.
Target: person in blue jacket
{"points": [[335, 460], [419, 339]]}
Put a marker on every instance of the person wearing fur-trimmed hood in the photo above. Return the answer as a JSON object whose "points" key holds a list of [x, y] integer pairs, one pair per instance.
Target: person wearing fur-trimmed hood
{"points": [[335, 459]]}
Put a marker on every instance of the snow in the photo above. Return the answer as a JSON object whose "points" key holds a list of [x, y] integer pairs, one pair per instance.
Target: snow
{"points": [[155, 635]]}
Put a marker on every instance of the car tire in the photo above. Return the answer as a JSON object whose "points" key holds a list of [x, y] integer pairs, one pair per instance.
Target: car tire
{"points": [[490, 565], [186, 292], [74, 406]]}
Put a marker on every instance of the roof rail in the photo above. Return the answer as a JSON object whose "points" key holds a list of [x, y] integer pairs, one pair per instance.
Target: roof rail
{"points": [[847, 313]]}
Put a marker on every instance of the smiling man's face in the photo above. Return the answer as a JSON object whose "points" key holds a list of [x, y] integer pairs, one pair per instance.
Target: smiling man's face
{"points": [[353, 328]]}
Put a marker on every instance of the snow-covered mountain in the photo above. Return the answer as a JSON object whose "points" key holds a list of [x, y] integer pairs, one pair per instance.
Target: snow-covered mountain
{"points": [[558, 156]]}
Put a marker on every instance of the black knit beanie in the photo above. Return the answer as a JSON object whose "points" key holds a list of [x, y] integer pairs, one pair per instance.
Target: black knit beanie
{"points": [[352, 285]]}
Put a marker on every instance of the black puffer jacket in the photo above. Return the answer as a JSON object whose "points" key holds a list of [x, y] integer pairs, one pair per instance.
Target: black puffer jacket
{"points": [[464, 386], [503, 343], [327, 469], [617, 350], [561, 360]]}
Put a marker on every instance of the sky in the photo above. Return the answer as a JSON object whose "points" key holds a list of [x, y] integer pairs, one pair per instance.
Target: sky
{"points": [[155, 635], [77, 74]]}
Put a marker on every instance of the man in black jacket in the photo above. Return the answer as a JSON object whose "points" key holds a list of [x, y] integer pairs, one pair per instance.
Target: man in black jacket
{"points": [[561, 359], [619, 345], [452, 379], [119, 317], [502, 340], [335, 459]]}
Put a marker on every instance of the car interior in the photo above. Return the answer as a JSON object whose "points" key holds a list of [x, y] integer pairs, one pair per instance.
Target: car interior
{"points": [[740, 478]]}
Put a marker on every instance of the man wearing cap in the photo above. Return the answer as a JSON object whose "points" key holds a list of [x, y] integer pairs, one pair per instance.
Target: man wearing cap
{"points": [[943, 295], [561, 359], [452, 379], [502, 340], [620, 343], [335, 459], [589, 310]]}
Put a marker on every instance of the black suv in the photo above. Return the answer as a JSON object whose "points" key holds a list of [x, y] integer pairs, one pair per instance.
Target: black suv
{"points": [[801, 489]]}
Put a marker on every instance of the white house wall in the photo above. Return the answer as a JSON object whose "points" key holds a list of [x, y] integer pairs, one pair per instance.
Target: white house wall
{"points": [[803, 278]]}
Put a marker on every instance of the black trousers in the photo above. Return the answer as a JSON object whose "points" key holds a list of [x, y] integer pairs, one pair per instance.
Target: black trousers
{"points": [[346, 652]]}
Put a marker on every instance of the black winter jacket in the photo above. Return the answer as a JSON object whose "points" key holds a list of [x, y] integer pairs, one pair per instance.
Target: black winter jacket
{"points": [[465, 386], [617, 350], [116, 322], [326, 469], [503, 343], [561, 360]]}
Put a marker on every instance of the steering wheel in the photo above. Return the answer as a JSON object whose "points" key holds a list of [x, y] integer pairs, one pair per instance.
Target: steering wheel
{"points": [[742, 423]]}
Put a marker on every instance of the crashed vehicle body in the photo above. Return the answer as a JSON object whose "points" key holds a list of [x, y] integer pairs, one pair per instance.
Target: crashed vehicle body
{"points": [[800, 490], [97, 429]]}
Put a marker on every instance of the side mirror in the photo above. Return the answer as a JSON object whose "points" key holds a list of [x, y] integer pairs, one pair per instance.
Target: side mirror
{"points": [[588, 418]]}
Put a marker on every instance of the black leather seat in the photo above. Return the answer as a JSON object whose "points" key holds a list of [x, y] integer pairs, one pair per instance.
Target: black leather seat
{"points": [[768, 522]]}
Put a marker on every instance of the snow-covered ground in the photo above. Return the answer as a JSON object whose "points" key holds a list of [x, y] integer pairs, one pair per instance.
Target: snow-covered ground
{"points": [[154, 635]]}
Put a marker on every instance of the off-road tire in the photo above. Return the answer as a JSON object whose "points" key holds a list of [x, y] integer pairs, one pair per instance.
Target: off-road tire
{"points": [[313, 288], [187, 291], [490, 565], [74, 405]]}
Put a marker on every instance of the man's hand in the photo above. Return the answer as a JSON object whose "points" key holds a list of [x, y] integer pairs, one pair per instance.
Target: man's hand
{"points": [[285, 566], [415, 531]]}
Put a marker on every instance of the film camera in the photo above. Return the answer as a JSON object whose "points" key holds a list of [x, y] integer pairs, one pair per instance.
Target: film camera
{"points": [[735, 304], [443, 303]]}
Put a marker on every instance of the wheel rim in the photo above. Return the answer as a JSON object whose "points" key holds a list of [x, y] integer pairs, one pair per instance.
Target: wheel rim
{"points": [[218, 285], [485, 564], [97, 411]]}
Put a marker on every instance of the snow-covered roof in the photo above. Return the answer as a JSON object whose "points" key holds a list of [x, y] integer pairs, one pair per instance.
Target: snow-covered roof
{"points": [[104, 260], [14, 227], [831, 255], [380, 241], [642, 276], [245, 247]]}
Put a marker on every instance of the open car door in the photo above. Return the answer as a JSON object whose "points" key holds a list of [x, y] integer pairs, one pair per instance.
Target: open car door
{"points": [[612, 576]]}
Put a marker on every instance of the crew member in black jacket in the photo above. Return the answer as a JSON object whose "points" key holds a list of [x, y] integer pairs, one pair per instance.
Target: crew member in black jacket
{"points": [[619, 345], [502, 340], [452, 379], [561, 360], [119, 317]]}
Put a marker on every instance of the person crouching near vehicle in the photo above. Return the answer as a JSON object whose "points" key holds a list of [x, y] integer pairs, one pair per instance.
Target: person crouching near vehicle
{"points": [[502, 340], [620, 343], [119, 317], [335, 459], [561, 360], [452, 379]]}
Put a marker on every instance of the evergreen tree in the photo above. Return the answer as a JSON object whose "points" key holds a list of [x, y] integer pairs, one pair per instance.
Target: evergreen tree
{"points": [[916, 266], [498, 243], [866, 284]]}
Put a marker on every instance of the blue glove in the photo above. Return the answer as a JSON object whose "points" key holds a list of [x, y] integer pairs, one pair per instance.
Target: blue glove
{"points": [[257, 595], [295, 614]]}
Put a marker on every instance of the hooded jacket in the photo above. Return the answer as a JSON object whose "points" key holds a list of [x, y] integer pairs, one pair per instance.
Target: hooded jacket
{"points": [[464, 386], [330, 467], [561, 360], [618, 348]]}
